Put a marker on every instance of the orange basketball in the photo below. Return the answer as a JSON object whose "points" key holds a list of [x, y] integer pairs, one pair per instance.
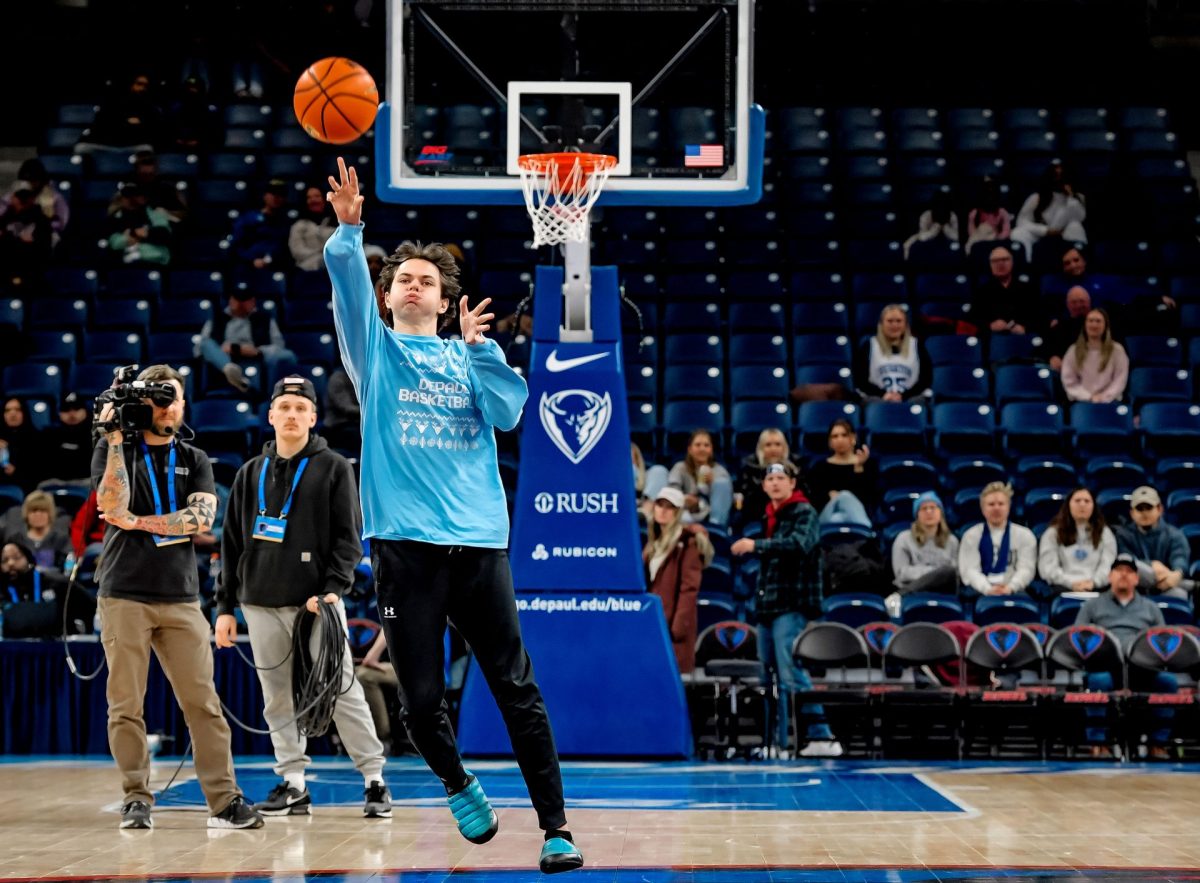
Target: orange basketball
{"points": [[336, 100]]}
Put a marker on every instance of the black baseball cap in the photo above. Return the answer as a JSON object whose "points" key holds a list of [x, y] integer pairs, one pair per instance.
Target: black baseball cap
{"points": [[1124, 560], [295, 386], [72, 401]]}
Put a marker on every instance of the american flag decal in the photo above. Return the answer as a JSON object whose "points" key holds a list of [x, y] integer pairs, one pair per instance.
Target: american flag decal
{"points": [[704, 155]]}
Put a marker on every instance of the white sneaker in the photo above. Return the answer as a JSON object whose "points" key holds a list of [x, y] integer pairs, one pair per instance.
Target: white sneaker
{"points": [[822, 748]]}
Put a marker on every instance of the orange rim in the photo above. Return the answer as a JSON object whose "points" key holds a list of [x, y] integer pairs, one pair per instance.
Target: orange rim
{"points": [[565, 161]]}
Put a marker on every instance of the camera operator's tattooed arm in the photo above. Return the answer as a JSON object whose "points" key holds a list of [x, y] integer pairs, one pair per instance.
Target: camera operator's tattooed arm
{"points": [[112, 495], [198, 517]]}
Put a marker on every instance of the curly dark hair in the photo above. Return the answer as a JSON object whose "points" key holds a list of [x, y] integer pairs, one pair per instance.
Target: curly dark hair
{"points": [[438, 255]]}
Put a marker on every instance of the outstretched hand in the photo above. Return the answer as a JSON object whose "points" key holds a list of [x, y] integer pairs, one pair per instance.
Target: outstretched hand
{"points": [[344, 196], [474, 322]]}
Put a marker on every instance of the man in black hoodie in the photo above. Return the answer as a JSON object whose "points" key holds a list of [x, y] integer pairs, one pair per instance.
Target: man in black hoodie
{"points": [[292, 538]]}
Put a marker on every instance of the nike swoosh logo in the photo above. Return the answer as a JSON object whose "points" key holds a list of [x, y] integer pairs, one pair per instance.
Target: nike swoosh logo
{"points": [[555, 364]]}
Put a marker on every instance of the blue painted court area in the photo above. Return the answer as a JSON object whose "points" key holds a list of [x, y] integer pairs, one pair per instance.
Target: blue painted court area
{"points": [[662, 786]]}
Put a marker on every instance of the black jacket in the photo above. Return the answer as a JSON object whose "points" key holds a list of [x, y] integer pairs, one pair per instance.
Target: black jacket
{"points": [[322, 543]]}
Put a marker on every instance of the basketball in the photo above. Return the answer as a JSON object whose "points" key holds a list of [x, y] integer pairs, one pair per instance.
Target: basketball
{"points": [[336, 100]]}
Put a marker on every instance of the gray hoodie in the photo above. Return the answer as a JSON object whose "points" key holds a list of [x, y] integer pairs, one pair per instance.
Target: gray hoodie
{"points": [[911, 562]]}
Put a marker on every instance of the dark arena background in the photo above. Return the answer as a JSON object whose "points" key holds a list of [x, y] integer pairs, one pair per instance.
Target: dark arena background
{"points": [[938, 259]]}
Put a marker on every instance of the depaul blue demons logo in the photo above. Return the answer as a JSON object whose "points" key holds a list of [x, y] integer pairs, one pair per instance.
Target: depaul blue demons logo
{"points": [[575, 420]]}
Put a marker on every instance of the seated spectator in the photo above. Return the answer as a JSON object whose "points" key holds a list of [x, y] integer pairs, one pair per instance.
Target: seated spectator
{"points": [[26, 238], [1074, 266], [260, 237], [160, 193], [20, 446], [87, 528], [1078, 548], [193, 123], [241, 333], [937, 222], [131, 121], [342, 412], [1004, 303], [675, 555], [67, 447], [997, 557], [1161, 550], [374, 673], [39, 533], [1056, 211], [30, 597], [140, 233], [32, 175], [749, 497], [925, 557], [1095, 368], [846, 483], [706, 485], [989, 220], [1125, 614], [1068, 325], [307, 237], [647, 481], [892, 366], [789, 595]]}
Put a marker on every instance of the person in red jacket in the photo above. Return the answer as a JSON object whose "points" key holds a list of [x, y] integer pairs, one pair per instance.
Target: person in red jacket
{"points": [[675, 555], [86, 527]]}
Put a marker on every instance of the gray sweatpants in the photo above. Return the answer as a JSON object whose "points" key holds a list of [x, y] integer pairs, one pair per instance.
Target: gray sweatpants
{"points": [[271, 639]]}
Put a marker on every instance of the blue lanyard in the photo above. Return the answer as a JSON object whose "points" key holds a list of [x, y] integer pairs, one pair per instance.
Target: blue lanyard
{"points": [[262, 487], [158, 510], [37, 589]]}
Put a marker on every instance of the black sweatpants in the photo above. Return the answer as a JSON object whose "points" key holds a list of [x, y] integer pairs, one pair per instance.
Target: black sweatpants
{"points": [[419, 586]]}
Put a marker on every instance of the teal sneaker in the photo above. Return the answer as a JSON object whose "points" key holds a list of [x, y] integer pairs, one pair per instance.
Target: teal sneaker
{"points": [[476, 820], [559, 855]]}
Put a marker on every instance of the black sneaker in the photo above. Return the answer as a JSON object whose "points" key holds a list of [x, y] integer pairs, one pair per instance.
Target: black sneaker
{"points": [[284, 800], [239, 814], [378, 803], [136, 814]]}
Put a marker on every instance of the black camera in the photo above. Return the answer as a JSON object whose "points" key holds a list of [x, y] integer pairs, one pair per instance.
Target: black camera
{"points": [[127, 394]]}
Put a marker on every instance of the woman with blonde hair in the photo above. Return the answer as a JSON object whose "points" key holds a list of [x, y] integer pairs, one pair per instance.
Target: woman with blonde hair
{"points": [[892, 366], [675, 555], [925, 557], [749, 496], [1096, 367], [48, 543]]}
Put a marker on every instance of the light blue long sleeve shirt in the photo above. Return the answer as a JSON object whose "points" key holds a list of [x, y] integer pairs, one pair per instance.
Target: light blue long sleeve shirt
{"points": [[429, 409]]}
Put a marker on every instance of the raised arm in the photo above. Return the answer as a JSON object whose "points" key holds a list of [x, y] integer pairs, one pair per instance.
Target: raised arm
{"points": [[500, 392], [355, 314]]}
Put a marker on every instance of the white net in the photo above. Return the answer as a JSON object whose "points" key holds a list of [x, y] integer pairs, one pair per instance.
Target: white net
{"points": [[560, 190]]}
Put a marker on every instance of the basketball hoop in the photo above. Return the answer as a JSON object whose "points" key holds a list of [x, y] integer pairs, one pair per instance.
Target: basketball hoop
{"points": [[560, 190]]}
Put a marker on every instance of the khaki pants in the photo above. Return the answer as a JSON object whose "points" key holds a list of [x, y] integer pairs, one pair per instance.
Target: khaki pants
{"points": [[373, 681], [180, 637]]}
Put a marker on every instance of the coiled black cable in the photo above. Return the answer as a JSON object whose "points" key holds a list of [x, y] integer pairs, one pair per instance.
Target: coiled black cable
{"points": [[317, 681]]}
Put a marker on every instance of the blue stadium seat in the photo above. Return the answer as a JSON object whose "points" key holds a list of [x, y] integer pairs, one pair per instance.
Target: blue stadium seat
{"points": [[1110, 472], [1011, 348], [810, 317], [1086, 119], [313, 347], [70, 314], [34, 380], [918, 141], [817, 285], [1041, 504], [196, 283], [814, 419], [758, 349], [896, 428], [973, 473], [1046, 472], [957, 383], [929, 607], [955, 349], [1102, 428], [692, 318], [235, 194], [1183, 507], [1146, 351], [237, 165], [882, 288], [755, 285], [973, 140], [249, 116], [749, 418], [854, 609], [60, 347], [963, 428], [916, 166], [185, 315], [916, 118], [896, 508], [1114, 503], [908, 473], [704, 382], [1031, 428], [940, 287], [1018, 609], [1063, 611], [245, 139], [758, 382], [125, 314], [1143, 117], [858, 117], [680, 418], [766, 318], [866, 167], [90, 378], [226, 425], [1177, 473], [1140, 142], [821, 348], [308, 316], [1159, 385], [73, 282], [863, 140], [641, 382], [12, 314], [703, 349], [1176, 611], [113, 346], [703, 287], [1031, 118], [1023, 383], [170, 347]]}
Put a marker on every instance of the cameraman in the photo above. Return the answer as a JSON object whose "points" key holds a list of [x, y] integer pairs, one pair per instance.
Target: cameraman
{"points": [[149, 593]]}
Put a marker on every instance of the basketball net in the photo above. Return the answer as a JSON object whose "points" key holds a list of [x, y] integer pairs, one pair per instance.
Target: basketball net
{"points": [[560, 190]]}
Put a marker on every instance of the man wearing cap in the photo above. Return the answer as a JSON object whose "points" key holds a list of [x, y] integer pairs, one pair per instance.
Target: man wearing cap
{"points": [[67, 449], [789, 594], [291, 541], [243, 333], [1160, 549], [1125, 613]]}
